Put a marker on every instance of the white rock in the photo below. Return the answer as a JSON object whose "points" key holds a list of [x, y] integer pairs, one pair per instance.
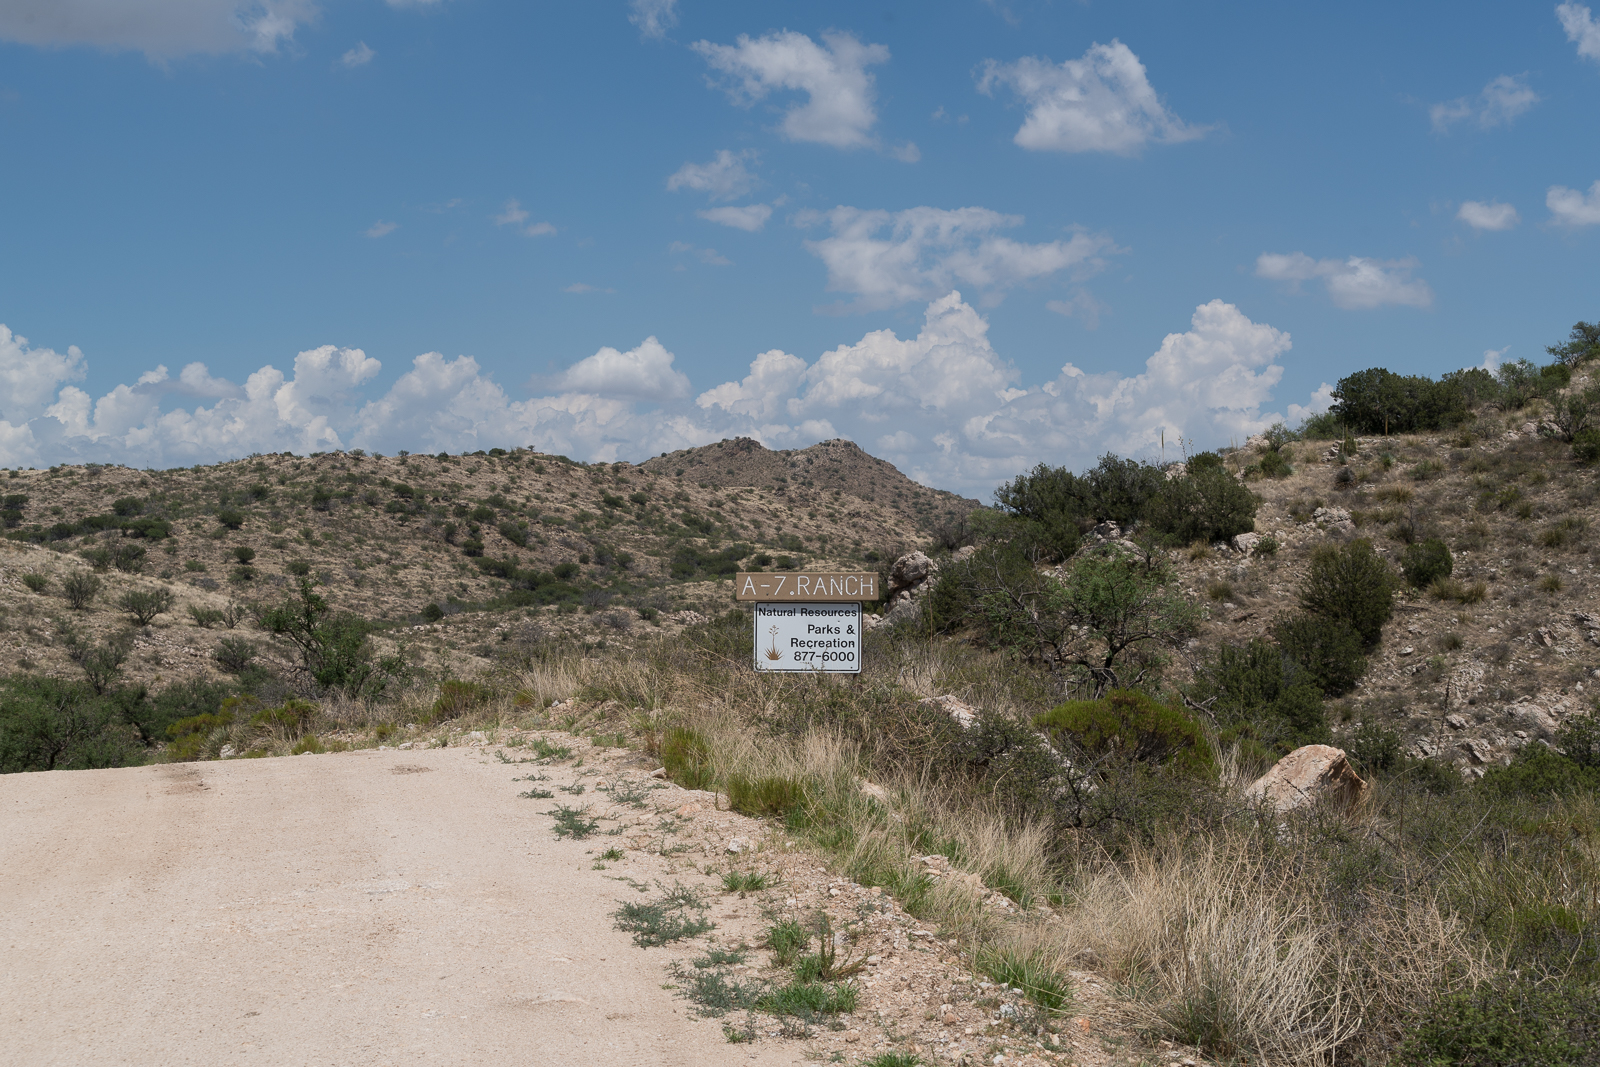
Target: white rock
{"points": [[1308, 774], [1246, 543], [1478, 750], [738, 845], [963, 713], [1456, 722], [659, 772], [405, 744], [228, 752]]}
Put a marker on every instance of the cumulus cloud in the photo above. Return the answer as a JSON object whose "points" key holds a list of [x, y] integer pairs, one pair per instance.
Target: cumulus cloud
{"points": [[750, 217], [1354, 283], [653, 17], [1101, 103], [1573, 208], [1488, 216], [515, 216], [942, 405], [359, 56], [839, 109], [1500, 102], [885, 258], [723, 178], [1582, 29], [161, 29]]}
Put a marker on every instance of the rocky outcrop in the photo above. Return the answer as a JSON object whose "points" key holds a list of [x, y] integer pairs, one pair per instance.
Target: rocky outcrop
{"points": [[963, 713], [1308, 775]]}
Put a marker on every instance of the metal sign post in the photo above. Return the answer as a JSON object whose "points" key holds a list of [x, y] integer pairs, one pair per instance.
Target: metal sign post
{"points": [[807, 622]]}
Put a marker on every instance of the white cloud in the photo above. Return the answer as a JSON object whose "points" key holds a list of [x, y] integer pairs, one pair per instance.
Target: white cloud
{"points": [[1500, 102], [515, 216], [750, 217], [723, 178], [1488, 216], [840, 93], [1353, 283], [704, 255], [1573, 208], [1081, 305], [1582, 29], [926, 251], [359, 56], [161, 29], [943, 405], [1101, 103], [382, 229], [653, 17], [1492, 358]]}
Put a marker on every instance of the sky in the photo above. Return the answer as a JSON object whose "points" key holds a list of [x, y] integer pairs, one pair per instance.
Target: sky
{"points": [[970, 236]]}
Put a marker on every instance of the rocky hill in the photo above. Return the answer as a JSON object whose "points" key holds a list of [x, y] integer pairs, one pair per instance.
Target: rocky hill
{"points": [[481, 541]]}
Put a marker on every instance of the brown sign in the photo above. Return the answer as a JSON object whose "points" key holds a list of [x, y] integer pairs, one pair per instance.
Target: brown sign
{"points": [[817, 588]]}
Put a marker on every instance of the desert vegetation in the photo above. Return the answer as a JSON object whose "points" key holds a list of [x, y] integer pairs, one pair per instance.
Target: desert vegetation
{"points": [[1047, 755]]}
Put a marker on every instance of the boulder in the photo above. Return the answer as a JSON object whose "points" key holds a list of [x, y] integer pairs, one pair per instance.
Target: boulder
{"points": [[964, 553], [1534, 717], [1257, 442], [1246, 543], [959, 710], [1310, 774], [911, 569]]}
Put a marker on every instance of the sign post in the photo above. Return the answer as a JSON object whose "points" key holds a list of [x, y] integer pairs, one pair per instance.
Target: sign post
{"points": [[807, 622]]}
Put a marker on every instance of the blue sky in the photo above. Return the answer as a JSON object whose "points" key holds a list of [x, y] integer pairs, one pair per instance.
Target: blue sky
{"points": [[618, 228]]}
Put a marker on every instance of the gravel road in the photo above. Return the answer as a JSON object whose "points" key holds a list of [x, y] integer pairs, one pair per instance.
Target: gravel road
{"points": [[348, 909]]}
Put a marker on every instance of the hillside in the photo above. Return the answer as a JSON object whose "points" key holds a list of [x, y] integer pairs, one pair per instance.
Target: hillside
{"points": [[593, 550]]}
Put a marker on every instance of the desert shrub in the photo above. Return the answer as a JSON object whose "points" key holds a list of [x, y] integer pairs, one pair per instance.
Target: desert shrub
{"points": [[432, 612], [37, 583], [205, 618], [289, 721], [1353, 584], [47, 724], [1048, 508], [1129, 725], [514, 533], [1274, 464], [686, 754], [565, 571], [244, 553], [1206, 504], [1509, 1024], [230, 517], [1586, 445], [98, 557], [102, 663], [1538, 771], [335, 649], [1328, 650], [80, 589], [456, 698], [234, 654], [1261, 698], [767, 795], [1426, 562], [145, 604], [1375, 749], [182, 700]]}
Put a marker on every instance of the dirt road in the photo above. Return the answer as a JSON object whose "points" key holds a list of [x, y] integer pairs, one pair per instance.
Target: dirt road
{"points": [[351, 909]]}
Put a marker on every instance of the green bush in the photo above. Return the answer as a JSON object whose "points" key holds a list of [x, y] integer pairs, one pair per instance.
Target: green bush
{"points": [[1206, 504], [1579, 739], [145, 604], [47, 724], [1510, 1024], [80, 589], [1259, 697], [1375, 749], [772, 795], [37, 583], [1538, 771], [290, 720], [686, 755], [1129, 725], [1425, 562], [1275, 465], [432, 612], [234, 654], [1586, 445], [1352, 584], [1329, 651], [230, 517]]}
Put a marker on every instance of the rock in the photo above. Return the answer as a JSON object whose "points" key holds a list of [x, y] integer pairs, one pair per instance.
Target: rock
{"points": [[1309, 774], [1586, 619], [688, 810], [1464, 685], [1106, 531], [228, 752], [1422, 748], [738, 845], [1408, 650], [909, 570], [659, 772], [951, 1018], [1246, 543], [1258, 442], [1456, 722], [1544, 637], [1534, 716], [406, 744], [875, 792], [1478, 750], [959, 710], [478, 736], [965, 552]]}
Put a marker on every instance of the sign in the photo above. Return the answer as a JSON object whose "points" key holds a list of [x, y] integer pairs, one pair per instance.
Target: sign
{"points": [[817, 588], [808, 637]]}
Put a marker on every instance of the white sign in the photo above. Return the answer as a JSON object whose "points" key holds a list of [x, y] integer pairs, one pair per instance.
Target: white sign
{"points": [[808, 637]]}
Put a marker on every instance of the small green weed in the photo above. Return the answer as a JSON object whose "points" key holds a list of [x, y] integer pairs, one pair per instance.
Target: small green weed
{"points": [[787, 939], [627, 793], [1038, 981], [576, 789], [895, 1059], [808, 999], [572, 822], [743, 882], [677, 914], [611, 855], [544, 751], [538, 794]]}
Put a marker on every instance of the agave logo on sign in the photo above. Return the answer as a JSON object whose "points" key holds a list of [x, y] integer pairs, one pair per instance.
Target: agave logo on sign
{"points": [[808, 637]]}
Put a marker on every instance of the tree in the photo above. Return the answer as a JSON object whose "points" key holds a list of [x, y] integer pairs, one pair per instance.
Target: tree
{"points": [[145, 604], [1094, 623], [334, 649], [80, 589], [1206, 504], [1582, 344], [47, 724]]}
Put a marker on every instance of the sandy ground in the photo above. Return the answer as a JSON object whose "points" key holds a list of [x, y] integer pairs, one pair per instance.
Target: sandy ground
{"points": [[373, 907]]}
